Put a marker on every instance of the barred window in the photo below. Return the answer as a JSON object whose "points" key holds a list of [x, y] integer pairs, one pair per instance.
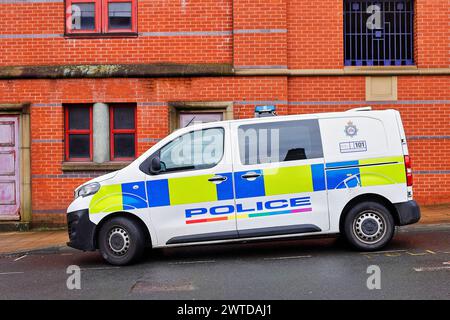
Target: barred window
{"points": [[379, 33]]}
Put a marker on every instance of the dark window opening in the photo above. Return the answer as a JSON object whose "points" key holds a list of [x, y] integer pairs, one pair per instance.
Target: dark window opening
{"points": [[78, 133], [123, 132], [84, 16], [119, 15], [279, 142]]}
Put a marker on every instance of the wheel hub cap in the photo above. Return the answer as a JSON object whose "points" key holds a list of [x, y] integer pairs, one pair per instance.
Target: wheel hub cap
{"points": [[119, 241], [369, 227]]}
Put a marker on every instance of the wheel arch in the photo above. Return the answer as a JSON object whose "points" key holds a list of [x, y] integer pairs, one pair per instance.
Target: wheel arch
{"points": [[127, 215], [364, 198]]}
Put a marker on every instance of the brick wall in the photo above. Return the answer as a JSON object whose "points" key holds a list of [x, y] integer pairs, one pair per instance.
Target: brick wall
{"points": [[315, 38], [33, 34], [270, 34], [277, 33], [260, 33]]}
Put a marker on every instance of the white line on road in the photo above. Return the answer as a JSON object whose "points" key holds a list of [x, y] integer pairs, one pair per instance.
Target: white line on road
{"points": [[7, 273], [431, 269], [387, 251], [100, 268], [286, 258], [447, 262], [20, 258], [192, 262]]}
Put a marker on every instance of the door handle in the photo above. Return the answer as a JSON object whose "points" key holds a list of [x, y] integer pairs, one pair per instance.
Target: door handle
{"points": [[217, 179], [251, 175]]}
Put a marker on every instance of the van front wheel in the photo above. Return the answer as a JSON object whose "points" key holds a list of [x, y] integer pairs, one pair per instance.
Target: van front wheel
{"points": [[369, 226], [121, 241]]}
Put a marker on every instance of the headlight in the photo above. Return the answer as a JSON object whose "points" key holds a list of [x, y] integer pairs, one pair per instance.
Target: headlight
{"points": [[87, 190]]}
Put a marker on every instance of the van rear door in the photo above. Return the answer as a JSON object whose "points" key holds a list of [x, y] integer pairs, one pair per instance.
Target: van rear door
{"points": [[363, 155]]}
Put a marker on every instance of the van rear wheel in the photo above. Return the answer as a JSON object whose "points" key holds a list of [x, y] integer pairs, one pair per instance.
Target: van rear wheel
{"points": [[369, 226], [121, 241]]}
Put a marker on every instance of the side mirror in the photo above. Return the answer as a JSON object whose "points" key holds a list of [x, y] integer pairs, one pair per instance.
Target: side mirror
{"points": [[155, 165]]}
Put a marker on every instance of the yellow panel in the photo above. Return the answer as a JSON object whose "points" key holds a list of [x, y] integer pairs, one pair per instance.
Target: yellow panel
{"points": [[192, 190], [288, 180], [384, 173], [107, 199]]}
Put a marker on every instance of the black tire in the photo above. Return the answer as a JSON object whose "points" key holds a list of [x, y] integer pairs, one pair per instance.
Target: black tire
{"points": [[121, 241], [369, 226]]}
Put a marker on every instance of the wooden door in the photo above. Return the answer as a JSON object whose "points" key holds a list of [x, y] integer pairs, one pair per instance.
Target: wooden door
{"points": [[9, 168]]}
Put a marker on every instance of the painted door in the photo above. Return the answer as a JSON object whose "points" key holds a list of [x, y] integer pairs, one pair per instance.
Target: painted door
{"points": [[192, 199], [279, 178], [9, 168]]}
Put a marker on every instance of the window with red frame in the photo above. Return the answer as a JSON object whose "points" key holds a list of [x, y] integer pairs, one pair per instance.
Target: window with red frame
{"points": [[78, 133], [101, 16], [122, 132]]}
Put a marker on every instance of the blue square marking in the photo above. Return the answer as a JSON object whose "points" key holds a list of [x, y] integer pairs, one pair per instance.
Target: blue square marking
{"points": [[249, 189], [158, 193], [318, 176]]}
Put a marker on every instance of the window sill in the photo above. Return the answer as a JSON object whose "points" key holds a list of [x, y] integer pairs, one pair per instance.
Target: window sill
{"points": [[101, 35], [379, 68], [92, 166]]}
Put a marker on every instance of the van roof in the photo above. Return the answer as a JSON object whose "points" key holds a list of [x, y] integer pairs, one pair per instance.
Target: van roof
{"points": [[350, 113]]}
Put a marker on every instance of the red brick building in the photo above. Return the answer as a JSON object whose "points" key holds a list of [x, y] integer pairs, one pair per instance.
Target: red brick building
{"points": [[133, 70]]}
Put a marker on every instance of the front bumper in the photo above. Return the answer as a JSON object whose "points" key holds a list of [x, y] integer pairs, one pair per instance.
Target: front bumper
{"points": [[408, 212], [81, 230]]}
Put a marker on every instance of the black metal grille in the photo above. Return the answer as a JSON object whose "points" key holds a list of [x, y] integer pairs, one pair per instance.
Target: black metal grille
{"points": [[72, 222], [379, 33]]}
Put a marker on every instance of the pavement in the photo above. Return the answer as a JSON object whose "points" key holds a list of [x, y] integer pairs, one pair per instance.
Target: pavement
{"points": [[27, 242], [415, 265]]}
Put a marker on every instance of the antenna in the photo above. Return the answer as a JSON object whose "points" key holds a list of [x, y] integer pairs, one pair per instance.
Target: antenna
{"points": [[190, 121]]}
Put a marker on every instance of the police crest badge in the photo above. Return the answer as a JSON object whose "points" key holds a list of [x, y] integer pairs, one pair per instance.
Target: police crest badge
{"points": [[350, 129]]}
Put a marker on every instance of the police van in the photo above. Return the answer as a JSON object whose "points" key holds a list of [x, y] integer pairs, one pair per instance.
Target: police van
{"points": [[266, 177]]}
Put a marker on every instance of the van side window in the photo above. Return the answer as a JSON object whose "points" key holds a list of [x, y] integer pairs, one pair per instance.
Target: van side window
{"points": [[200, 149], [279, 142]]}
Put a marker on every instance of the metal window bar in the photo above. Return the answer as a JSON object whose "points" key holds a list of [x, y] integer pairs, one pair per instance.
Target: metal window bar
{"points": [[390, 45]]}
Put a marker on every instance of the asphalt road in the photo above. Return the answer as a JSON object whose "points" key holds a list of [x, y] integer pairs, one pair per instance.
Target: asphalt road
{"points": [[415, 266]]}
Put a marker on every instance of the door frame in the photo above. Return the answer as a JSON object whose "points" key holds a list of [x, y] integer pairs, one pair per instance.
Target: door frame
{"points": [[22, 110]]}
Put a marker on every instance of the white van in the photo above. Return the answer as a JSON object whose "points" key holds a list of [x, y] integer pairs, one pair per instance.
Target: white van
{"points": [[262, 178]]}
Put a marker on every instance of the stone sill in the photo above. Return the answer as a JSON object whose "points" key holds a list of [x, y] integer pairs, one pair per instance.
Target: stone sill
{"points": [[347, 71], [93, 166]]}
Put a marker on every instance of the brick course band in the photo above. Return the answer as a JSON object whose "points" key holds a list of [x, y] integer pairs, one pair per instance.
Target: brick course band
{"points": [[250, 31], [432, 172], [47, 141], [428, 137], [213, 33], [70, 175], [50, 211], [152, 140], [186, 34], [406, 102], [31, 36]]}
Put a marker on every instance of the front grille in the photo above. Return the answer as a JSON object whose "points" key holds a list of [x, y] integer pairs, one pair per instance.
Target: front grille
{"points": [[72, 222]]}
